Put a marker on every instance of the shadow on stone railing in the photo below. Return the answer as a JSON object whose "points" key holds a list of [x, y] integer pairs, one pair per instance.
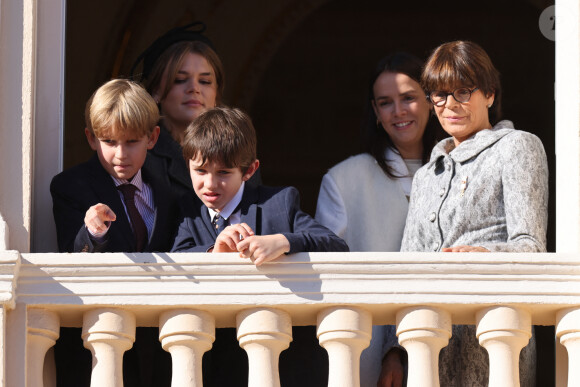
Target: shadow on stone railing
{"points": [[344, 294]]}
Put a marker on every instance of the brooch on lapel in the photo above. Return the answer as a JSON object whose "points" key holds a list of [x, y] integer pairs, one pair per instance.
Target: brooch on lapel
{"points": [[463, 186]]}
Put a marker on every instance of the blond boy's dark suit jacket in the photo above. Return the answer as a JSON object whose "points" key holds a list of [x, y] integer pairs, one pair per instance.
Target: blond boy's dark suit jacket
{"points": [[75, 190], [267, 211]]}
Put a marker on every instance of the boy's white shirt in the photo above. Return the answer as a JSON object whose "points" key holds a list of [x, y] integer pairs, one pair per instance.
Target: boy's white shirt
{"points": [[228, 211]]}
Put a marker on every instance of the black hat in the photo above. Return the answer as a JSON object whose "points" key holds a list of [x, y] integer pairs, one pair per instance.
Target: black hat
{"points": [[191, 32]]}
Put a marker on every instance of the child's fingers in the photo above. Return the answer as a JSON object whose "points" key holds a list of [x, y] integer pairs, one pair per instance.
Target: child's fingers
{"points": [[246, 247], [98, 218], [259, 261], [105, 213], [243, 245], [242, 231], [225, 240], [246, 230]]}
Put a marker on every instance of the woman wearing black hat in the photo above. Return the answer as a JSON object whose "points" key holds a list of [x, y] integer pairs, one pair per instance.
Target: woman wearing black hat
{"points": [[183, 73]]}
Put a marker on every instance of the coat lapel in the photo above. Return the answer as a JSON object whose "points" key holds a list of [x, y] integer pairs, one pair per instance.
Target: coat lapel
{"points": [[206, 219]]}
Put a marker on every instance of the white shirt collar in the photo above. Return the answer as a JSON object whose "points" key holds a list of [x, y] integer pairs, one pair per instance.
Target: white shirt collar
{"points": [[229, 208]]}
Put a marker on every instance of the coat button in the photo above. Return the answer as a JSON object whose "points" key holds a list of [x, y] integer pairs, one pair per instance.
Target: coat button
{"points": [[432, 217], [442, 192], [435, 246]]}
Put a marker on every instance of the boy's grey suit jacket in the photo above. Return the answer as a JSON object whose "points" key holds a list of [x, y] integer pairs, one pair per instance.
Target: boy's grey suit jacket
{"points": [[75, 190], [267, 211]]}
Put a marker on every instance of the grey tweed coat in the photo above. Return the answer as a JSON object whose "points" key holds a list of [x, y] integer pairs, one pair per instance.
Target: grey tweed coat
{"points": [[490, 191]]}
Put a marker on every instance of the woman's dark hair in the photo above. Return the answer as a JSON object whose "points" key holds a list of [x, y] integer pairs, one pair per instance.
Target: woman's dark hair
{"points": [[463, 64], [375, 138]]}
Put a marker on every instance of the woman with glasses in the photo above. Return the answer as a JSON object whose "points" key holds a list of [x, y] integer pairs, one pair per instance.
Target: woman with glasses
{"points": [[484, 189], [364, 199]]}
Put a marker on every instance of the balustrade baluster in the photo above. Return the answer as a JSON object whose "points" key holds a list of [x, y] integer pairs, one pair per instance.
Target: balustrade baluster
{"points": [[264, 333], [568, 331], [423, 331], [503, 331], [186, 334], [43, 329], [108, 333], [344, 332]]}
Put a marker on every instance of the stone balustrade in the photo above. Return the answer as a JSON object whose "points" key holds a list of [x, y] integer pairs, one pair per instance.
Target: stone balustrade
{"points": [[189, 295]]}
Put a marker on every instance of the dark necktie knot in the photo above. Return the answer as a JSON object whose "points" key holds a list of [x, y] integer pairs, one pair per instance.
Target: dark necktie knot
{"points": [[128, 191], [137, 222], [219, 223]]}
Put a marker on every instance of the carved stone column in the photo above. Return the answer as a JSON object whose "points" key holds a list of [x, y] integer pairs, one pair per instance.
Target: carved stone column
{"points": [[264, 333], [423, 331], [568, 331], [186, 334], [503, 331], [43, 329], [344, 332], [108, 333]]}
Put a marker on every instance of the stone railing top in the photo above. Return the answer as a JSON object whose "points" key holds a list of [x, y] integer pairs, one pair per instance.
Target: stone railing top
{"points": [[302, 284]]}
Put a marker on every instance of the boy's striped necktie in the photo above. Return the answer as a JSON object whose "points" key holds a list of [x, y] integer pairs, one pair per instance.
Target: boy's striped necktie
{"points": [[137, 222]]}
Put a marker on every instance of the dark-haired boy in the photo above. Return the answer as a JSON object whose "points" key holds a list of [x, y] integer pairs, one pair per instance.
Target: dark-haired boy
{"points": [[261, 223]]}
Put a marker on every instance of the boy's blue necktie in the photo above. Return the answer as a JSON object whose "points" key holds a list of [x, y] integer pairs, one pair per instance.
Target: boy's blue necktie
{"points": [[219, 223]]}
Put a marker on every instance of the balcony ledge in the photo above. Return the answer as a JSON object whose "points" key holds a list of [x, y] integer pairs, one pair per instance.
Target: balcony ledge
{"points": [[302, 284]]}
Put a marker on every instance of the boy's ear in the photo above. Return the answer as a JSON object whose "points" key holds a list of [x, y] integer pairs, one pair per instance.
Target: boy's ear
{"points": [[153, 137], [251, 170], [91, 139]]}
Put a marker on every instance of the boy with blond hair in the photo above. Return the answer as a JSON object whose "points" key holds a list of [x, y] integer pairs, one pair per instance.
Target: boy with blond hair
{"points": [[113, 203], [261, 223]]}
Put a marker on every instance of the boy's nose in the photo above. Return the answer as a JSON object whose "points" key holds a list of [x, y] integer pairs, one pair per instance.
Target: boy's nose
{"points": [[121, 152], [210, 181]]}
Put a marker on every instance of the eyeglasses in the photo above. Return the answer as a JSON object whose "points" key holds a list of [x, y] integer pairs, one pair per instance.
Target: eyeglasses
{"points": [[461, 95]]}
